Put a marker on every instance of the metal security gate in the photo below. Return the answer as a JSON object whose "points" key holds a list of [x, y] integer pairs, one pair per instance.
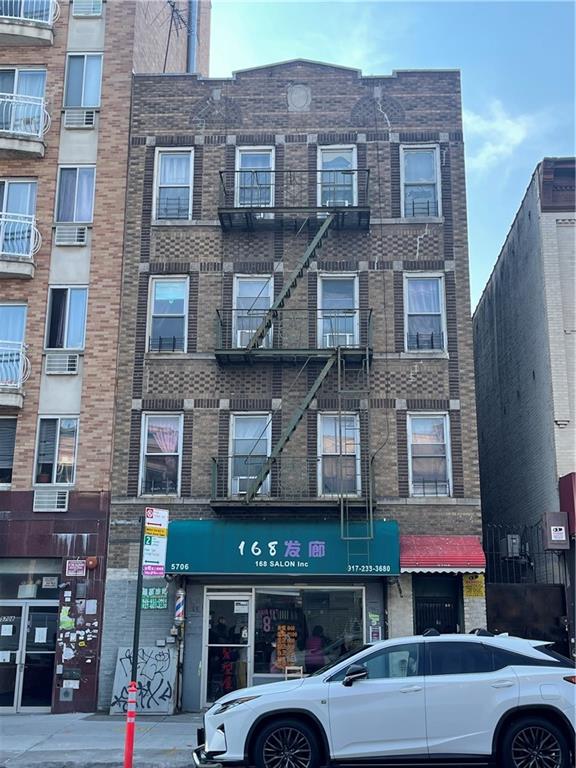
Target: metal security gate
{"points": [[436, 613], [535, 611]]}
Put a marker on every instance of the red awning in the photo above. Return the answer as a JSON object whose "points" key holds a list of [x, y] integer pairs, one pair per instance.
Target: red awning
{"points": [[441, 554]]}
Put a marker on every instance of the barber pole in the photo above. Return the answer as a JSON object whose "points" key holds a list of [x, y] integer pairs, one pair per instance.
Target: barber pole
{"points": [[179, 607], [130, 725]]}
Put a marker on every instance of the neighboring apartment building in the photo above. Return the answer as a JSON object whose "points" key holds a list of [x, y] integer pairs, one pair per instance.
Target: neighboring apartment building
{"points": [[65, 85], [296, 376], [525, 342]]}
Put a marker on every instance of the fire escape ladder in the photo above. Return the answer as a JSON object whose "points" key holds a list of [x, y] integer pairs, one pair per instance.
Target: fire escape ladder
{"points": [[289, 430], [290, 284]]}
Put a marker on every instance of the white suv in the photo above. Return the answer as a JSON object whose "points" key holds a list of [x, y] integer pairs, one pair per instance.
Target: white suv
{"points": [[448, 698]]}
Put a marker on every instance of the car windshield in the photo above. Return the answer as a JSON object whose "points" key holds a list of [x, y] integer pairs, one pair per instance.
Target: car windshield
{"points": [[338, 660]]}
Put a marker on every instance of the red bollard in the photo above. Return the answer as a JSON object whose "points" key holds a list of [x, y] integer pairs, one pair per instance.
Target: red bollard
{"points": [[130, 725]]}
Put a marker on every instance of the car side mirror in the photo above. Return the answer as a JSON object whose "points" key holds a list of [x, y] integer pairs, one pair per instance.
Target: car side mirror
{"points": [[354, 673]]}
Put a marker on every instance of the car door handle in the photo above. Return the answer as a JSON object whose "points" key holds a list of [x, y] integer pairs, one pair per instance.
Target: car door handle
{"points": [[411, 689], [503, 684]]}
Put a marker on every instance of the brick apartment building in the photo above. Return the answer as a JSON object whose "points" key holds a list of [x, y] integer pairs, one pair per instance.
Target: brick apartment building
{"points": [[524, 343], [295, 380], [65, 85]]}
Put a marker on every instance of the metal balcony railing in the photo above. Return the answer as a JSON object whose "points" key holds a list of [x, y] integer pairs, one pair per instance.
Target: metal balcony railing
{"points": [[44, 12], [23, 115], [291, 479], [14, 365], [422, 487], [296, 329], [294, 189], [168, 208], [415, 208], [425, 341], [19, 237]]}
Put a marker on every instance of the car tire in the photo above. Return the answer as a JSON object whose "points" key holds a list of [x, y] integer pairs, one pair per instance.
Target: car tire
{"points": [[292, 739], [524, 738]]}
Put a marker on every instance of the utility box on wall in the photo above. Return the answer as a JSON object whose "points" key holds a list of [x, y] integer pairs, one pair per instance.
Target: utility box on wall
{"points": [[556, 530]]}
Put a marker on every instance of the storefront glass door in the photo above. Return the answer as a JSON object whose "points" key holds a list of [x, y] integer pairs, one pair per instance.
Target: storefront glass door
{"points": [[27, 650], [228, 644]]}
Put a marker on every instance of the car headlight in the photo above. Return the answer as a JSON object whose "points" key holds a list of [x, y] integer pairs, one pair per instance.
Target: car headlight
{"points": [[233, 703]]}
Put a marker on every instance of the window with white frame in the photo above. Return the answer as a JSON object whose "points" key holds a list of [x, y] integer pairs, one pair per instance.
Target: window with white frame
{"points": [[424, 312], [76, 194], [12, 326], [429, 454], [337, 176], [250, 436], [56, 450], [168, 314], [83, 80], [339, 454], [174, 172], [17, 209], [338, 311], [22, 101], [7, 440], [252, 299], [254, 177], [161, 454], [420, 181], [66, 326]]}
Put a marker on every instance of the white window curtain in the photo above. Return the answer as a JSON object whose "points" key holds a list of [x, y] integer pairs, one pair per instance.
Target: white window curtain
{"points": [[12, 322], [250, 435], [175, 168], [85, 195], [419, 166], [423, 295]]}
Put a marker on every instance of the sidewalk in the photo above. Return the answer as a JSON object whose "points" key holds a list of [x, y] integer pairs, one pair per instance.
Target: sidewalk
{"points": [[94, 741]]}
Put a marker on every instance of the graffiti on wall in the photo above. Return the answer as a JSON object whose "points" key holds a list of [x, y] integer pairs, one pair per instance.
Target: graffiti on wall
{"points": [[156, 681]]}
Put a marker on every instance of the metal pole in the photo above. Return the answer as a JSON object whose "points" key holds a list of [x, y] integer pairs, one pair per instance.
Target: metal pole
{"points": [[136, 640]]}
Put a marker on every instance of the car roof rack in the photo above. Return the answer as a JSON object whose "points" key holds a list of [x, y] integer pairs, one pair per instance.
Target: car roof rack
{"points": [[430, 632], [480, 632]]}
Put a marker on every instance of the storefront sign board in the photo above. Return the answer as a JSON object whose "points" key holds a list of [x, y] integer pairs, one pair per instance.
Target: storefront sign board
{"points": [[274, 547]]}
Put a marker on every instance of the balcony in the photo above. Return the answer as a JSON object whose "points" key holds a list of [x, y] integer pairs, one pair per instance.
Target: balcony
{"points": [[294, 334], [23, 123], [292, 482], [271, 200], [19, 242], [27, 22], [14, 371]]}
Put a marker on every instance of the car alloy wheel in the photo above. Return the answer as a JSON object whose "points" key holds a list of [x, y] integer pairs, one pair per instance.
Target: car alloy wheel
{"points": [[287, 747], [536, 747]]}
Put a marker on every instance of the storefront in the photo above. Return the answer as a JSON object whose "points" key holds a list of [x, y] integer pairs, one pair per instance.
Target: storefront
{"points": [[269, 599]]}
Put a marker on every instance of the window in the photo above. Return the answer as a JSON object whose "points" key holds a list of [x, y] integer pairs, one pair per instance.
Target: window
{"points": [[7, 440], [252, 299], [161, 454], [56, 451], [168, 311], [250, 437], [22, 101], [174, 170], [429, 457], [420, 181], [338, 313], [17, 209], [12, 324], [254, 177], [397, 661], [425, 318], [83, 80], [339, 453], [337, 177], [66, 318], [458, 658], [76, 194]]}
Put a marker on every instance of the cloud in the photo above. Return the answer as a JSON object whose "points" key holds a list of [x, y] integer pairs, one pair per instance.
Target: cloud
{"points": [[496, 135]]}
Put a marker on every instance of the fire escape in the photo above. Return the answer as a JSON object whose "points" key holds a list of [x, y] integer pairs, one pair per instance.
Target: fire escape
{"points": [[326, 349]]}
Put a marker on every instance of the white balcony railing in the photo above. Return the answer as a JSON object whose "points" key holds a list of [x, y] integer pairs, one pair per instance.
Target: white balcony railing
{"points": [[14, 365], [19, 237], [44, 12], [23, 115]]}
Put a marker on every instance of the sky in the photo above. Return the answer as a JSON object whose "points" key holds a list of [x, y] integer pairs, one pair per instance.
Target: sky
{"points": [[517, 62]]}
